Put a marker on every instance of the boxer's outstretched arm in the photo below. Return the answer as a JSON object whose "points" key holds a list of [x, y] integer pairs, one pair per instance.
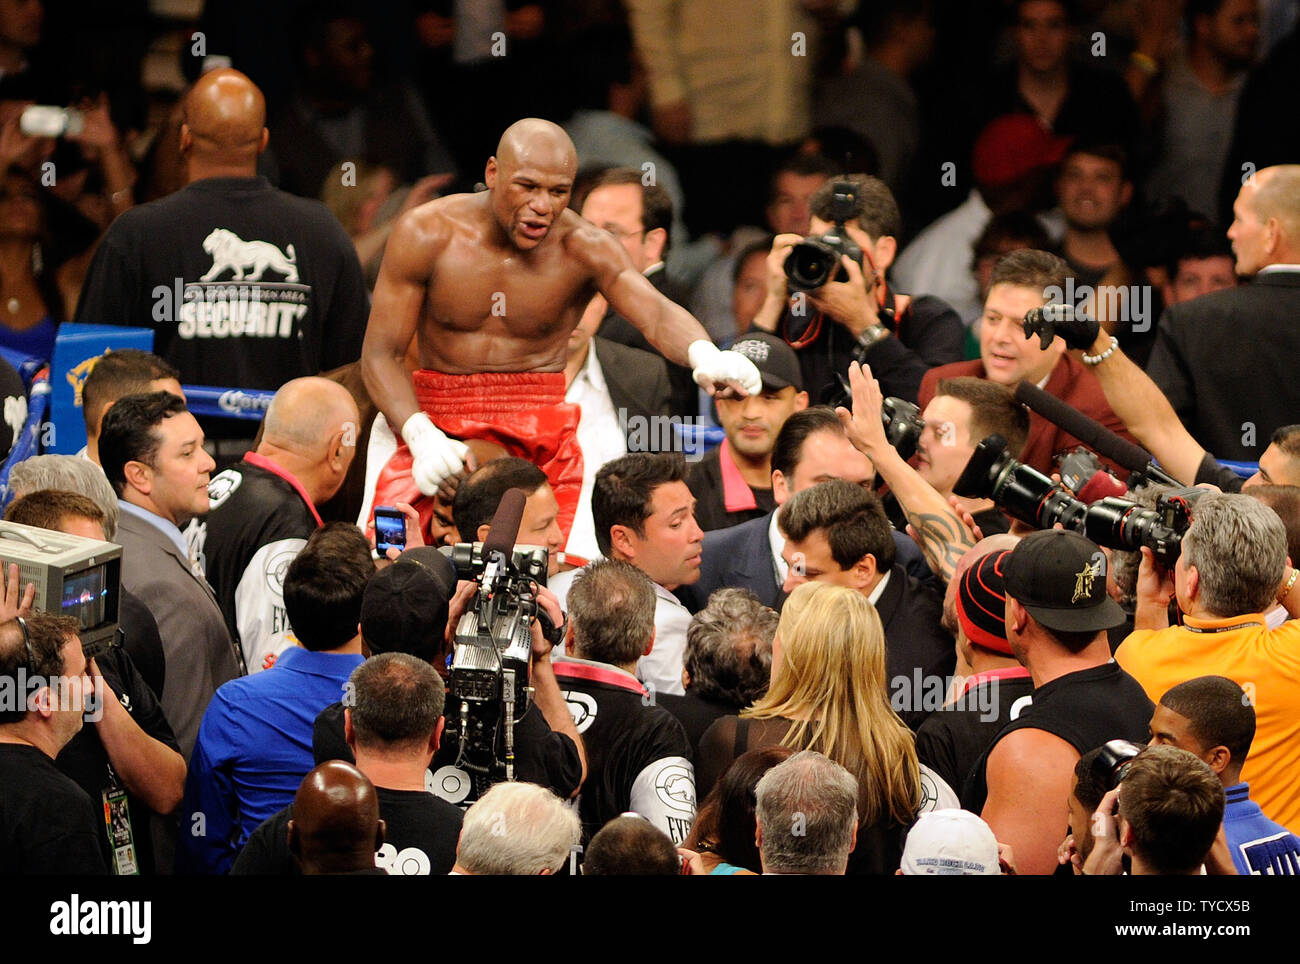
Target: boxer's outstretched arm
{"points": [[667, 326], [395, 313]]}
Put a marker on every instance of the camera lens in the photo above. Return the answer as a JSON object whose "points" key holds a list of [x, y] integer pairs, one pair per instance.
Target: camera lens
{"points": [[808, 266]]}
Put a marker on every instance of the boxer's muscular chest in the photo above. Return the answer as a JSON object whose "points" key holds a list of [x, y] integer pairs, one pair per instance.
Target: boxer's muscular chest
{"points": [[473, 289]]}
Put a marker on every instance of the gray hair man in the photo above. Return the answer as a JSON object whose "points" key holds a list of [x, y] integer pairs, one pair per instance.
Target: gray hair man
{"points": [[1231, 570], [69, 474], [728, 660], [519, 829], [807, 816], [638, 757]]}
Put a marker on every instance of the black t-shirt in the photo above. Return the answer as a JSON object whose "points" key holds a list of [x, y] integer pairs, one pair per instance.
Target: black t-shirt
{"points": [[638, 757], [1086, 709], [47, 823], [542, 756], [86, 761], [420, 838], [705, 482], [269, 284], [951, 740], [695, 713]]}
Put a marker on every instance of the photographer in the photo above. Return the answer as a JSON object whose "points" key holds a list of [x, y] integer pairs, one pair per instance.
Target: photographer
{"points": [[130, 748], [405, 609], [548, 747], [48, 825], [933, 523], [901, 336], [962, 413], [1169, 808], [1231, 569]]}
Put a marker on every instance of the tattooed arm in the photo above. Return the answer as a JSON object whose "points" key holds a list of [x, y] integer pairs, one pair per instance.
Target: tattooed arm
{"points": [[931, 520]]}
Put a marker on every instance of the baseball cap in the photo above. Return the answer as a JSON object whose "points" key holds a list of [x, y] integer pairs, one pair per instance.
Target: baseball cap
{"points": [[1013, 146], [982, 603], [1060, 578], [773, 357], [950, 843], [404, 607]]}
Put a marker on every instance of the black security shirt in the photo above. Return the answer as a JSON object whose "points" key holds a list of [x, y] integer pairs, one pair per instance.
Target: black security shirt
{"points": [[244, 285]]}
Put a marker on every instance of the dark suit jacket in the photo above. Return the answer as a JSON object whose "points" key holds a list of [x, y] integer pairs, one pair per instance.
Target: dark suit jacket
{"points": [[685, 397], [742, 556], [637, 380], [1073, 384], [1228, 358], [200, 654], [914, 640]]}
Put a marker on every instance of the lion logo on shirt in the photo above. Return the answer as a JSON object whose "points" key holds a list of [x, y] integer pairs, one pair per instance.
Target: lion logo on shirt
{"points": [[249, 260]]}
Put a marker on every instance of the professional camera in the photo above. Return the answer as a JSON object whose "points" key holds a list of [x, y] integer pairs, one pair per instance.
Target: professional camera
{"points": [[74, 576], [488, 685], [816, 260], [903, 425], [1115, 523], [1111, 765], [1121, 524], [1023, 492], [1084, 475]]}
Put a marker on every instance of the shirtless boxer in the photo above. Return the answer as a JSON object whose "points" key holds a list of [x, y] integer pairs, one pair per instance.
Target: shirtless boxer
{"points": [[491, 284]]}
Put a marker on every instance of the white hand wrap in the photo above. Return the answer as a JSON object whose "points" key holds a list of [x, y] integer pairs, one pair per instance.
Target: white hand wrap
{"points": [[711, 366], [434, 456]]}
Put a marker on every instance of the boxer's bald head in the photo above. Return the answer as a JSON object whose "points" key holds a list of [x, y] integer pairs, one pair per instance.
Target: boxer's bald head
{"points": [[225, 125], [530, 179], [533, 142]]}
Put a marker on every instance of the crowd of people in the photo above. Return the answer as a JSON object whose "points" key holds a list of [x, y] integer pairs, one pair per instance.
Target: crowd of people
{"points": [[746, 334]]}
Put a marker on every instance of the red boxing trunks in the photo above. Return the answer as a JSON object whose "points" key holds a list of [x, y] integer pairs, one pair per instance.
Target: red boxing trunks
{"points": [[523, 412]]}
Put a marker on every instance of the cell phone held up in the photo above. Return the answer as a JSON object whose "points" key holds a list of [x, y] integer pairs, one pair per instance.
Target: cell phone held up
{"points": [[390, 529]]}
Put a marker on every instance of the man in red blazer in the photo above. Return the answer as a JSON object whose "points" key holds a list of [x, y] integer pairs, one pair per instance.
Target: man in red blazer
{"points": [[1020, 282]]}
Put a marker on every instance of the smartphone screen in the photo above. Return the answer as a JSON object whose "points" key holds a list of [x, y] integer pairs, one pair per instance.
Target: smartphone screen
{"points": [[390, 528]]}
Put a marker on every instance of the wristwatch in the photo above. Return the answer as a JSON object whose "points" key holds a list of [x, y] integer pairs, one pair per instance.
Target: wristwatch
{"points": [[868, 338]]}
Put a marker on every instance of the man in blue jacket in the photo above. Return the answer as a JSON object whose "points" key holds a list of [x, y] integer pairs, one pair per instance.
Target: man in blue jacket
{"points": [[254, 745]]}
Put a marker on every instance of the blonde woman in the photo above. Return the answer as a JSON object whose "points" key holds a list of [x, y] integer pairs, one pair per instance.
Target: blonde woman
{"points": [[828, 693]]}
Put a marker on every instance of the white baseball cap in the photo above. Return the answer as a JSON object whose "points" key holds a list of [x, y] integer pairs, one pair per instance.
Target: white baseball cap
{"points": [[950, 842]]}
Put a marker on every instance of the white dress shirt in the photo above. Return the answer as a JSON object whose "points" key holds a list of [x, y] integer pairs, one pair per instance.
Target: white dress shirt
{"points": [[601, 439]]}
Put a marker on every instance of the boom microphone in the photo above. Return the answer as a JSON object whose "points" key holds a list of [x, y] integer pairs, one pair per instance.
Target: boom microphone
{"points": [[1093, 434], [505, 524]]}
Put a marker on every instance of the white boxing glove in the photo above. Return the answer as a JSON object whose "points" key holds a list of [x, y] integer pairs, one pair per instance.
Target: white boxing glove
{"points": [[434, 456], [711, 365]]}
